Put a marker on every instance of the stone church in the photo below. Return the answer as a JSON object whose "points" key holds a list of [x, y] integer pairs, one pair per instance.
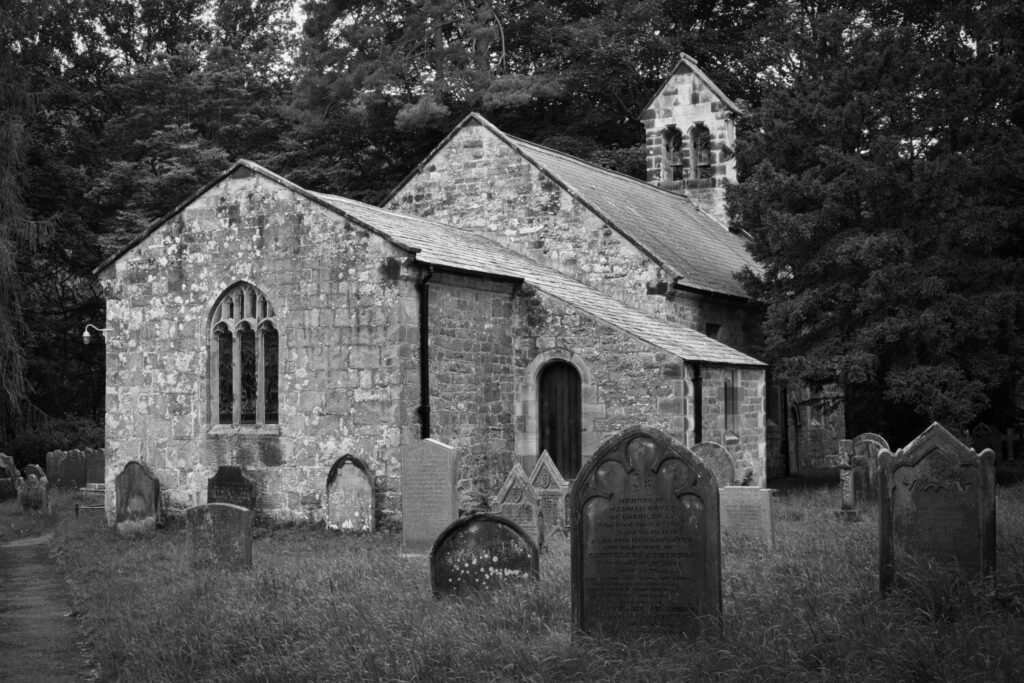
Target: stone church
{"points": [[508, 299]]}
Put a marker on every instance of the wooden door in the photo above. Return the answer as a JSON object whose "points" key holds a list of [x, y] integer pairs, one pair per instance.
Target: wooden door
{"points": [[561, 417]]}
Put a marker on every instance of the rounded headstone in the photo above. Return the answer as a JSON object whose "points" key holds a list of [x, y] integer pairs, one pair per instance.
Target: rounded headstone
{"points": [[350, 500], [481, 551], [717, 459]]}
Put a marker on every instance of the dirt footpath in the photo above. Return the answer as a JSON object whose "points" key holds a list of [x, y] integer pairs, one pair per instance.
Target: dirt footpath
{"points": [[39, 638]]}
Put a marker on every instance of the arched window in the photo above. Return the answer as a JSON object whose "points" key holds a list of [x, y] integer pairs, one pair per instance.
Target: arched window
{"points": [[243, 358], [700, 155], [675, 154], [561, 416]]}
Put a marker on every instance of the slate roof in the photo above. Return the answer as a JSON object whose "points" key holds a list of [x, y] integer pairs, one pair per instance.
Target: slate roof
{"points": [[698, 251], [446, 246]]}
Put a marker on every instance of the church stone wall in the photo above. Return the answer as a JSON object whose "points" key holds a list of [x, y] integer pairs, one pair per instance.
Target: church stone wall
{"points": [[347, 321]]}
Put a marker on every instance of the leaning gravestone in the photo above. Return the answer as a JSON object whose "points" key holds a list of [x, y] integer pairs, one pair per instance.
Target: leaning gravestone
{"points": [[646, 552], [32, 494], [230, 484], [517, 501], [219, 536], [717, 459], [937, 502], [429, 498], [866, 448], [350, 495], [551, 490], [481, 551], [94, 466], [746, 512], [137, 496]]}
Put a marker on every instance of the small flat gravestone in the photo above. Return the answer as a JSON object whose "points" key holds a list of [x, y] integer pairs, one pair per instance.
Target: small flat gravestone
{"points": [[95, 466], [350, 502], [517, 501], [481, 551], [937, 502], [646, 552], [717, 459], [219, 536], [746, 512], [551, 490], [137, 496], [231, 485], [430, 501], [866, 448], [32, 494]]}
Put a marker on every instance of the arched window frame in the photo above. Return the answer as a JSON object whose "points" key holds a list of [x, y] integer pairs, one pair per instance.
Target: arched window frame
{"points": [[701, 158], [674, 153], [242, 310]]}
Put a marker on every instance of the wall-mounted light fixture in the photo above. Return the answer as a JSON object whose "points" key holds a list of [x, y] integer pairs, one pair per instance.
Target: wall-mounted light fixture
{"points": [[86, 337]]}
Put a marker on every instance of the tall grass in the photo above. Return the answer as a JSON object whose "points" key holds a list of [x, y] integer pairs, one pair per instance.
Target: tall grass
{"points": [[318, 606]]}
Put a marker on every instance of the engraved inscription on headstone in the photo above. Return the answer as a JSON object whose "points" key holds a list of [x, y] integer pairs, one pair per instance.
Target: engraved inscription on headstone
{"points": [[137, 496], [717, 459], [646, 552], [219, 536], [551, 490], [429, 498], [937, 502], [231, 485], [350, 495], [746, 511], [517, 501], [481, 551]]}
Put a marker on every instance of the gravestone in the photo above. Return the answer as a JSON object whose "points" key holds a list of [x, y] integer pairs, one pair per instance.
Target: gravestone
{"points": [[518, 502], [866, 448], [350, 505], [937, 502], [717, 459], [137, 499], [7, 466], [481, 551], [746, 512], [8, 478], [67, 469], [95, 466], [37, 471], [646, 554], [847, 484], [551, 490], [430, 501], [231, 485], [32, 494], [219, 536]]}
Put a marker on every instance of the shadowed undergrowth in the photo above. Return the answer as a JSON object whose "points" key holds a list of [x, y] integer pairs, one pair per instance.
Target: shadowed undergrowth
{"points": [[322, 606]]}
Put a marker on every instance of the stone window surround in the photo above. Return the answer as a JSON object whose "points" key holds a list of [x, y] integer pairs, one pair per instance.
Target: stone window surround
{"points": [[246, 298], [527, 438]]}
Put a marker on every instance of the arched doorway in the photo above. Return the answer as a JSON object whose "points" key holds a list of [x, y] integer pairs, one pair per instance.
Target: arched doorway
{"points": [[561, 416]]}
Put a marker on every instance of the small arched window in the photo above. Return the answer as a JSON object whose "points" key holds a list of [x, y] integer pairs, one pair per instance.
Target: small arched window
{"points": [[243, 358], [700, 156], [675, 154]]}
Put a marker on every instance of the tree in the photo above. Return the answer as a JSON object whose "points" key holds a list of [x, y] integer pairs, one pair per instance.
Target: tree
{"points": [[884, 194]]}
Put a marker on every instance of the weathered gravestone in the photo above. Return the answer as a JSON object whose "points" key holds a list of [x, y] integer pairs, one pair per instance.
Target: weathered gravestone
{"points": [[551, 490], [746, 512], [430, 501], [847, 484], [32, 494], [517, 501], [8, 478], [646, 552], [350, 502], [717, 459], [37, 471], [67, 469], [866, 448], [137, 496], [230, 484], [481, 551], [95, 466], [219, 536], [937, 502]]}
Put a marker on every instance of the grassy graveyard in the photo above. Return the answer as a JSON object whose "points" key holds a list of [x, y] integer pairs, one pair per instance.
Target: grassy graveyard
{"points": [[322, 606]]}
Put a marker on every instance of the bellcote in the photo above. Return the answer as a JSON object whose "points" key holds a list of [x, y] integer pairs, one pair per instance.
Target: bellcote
{"points": [[691, 134]]}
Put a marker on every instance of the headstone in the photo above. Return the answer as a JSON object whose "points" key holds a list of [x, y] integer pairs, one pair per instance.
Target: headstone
{"points": [[219, 536], [350, 502], [866, 448], [137, 496], [95, 466], [37, 471], [746, 512], [67, 469], [7, 465], [847, 486], [430, 501], [231, 485], [551, 490], [646, 554], [517, 501], [717, 459], [481, 551], [32, 494], [937, 502], [8, 478]]}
